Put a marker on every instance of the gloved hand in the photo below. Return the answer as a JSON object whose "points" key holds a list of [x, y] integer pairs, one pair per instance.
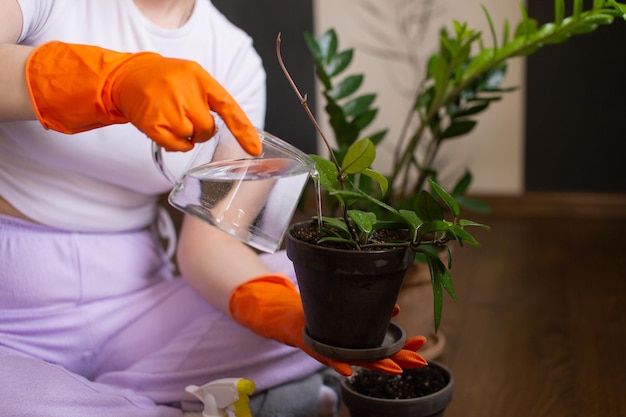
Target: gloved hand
{"points": [[271, 307], [75, 88]]}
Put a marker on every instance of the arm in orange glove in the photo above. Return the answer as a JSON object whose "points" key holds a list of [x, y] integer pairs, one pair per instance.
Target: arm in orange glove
{"points": [[75, 88], [271, 307]]}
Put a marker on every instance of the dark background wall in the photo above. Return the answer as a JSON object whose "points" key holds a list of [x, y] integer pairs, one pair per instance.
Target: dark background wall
{"points": [[576, 110], [263, 20]]}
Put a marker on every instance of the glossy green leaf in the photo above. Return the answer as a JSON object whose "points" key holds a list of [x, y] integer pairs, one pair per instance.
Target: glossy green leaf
{"points": [[346, 241], [471, 204], [358, 105], [327, 172], [440, 278], [472, 110], [411, 218], [458, 128], [582, 29], [379, 203], [430, 66], [462, 57], [363, 120], [492, 29], [548, 31], [359, 156], [327, 44], [478, 63], [446, 197], [364, 220], [345, 133], [438, 71], [462, 184], [442, 275], [601, 19], [346, 198], [505, 32], [466, 223], [427, 207], [447, 48], [463, 236], [323, 77], [397, 223], [380, 179], [339, 62], [435, 226], [458, 27], [527, 23], [526, 49], [314, 48], [337, 224], [346, 87], [444, 42], [434, 251]]}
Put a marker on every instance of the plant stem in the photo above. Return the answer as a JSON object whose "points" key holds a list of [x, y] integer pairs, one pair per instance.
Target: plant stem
{"points": [[303, 100]]}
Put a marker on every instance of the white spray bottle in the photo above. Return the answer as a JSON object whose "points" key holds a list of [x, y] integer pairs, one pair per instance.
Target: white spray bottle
{"points": [[223, 395]]}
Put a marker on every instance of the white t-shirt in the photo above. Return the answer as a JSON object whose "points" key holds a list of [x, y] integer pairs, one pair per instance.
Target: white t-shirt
{"points": [[105, 179]]}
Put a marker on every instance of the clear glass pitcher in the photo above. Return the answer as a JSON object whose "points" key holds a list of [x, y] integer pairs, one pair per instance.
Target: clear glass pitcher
{"points": [[250, 198]]}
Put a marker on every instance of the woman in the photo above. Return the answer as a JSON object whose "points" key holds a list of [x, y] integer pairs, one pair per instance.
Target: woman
{"points": [[91, 321]]}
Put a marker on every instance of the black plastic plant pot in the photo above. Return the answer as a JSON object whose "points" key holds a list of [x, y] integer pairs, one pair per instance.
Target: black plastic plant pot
{"points": [[436, 379], [348, 295]]}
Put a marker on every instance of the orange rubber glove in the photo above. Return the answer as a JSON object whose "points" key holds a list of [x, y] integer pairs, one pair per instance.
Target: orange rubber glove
{"points": [[271, 307], [75, 88]]}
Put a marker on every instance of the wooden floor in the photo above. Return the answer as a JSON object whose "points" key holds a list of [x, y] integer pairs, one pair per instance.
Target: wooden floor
{"points": [[539, 327]]}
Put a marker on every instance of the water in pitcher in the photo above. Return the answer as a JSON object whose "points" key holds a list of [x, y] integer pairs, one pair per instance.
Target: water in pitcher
{"points": [[251, 199]]}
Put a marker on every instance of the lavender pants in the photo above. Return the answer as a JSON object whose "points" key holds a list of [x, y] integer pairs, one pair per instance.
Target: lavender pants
{"points": [[94, 324]]}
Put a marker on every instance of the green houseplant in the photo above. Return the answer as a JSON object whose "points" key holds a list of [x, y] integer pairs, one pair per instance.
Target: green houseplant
{"points": [[348, 266], [462, 80], [361, 233]]}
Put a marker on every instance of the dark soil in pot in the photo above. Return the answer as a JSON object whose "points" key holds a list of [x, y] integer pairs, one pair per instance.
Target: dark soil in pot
{"points": [[309, 232], [410, 384]]}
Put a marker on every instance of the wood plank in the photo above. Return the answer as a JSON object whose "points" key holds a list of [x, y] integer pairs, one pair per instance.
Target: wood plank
{"points": [[539, 325], [557, 204]]}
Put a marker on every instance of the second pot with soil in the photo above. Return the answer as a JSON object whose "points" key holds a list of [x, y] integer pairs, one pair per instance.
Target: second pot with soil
{"points": [[422, 392]]}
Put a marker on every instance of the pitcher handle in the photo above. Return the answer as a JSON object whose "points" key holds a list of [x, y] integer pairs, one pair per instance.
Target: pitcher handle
{"points": [[157, 158]]}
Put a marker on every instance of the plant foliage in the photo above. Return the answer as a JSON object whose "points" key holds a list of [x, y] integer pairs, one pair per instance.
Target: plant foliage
{"points": [[426, 222], [462, 80]]}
